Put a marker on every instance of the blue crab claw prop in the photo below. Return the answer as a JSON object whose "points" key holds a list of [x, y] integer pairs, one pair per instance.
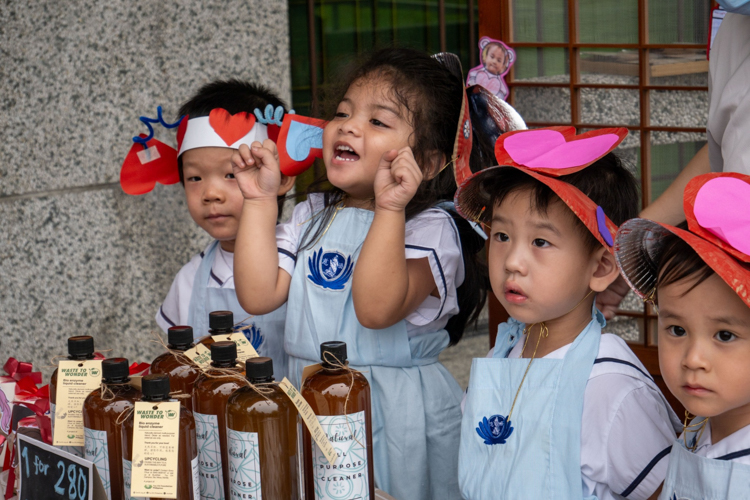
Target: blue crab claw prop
{"points": [[299, 142], [494, 430]]}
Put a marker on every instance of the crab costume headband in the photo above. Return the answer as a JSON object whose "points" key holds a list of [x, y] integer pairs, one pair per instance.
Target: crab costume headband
{"points": [[299, 141], [545, 154], [715, 207]]}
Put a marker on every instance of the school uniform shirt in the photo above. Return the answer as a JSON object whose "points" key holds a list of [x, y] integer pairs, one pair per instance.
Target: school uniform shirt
{"points": [[625, 426], [431, 234], [176, 307], [729, 96], [738, 441]]}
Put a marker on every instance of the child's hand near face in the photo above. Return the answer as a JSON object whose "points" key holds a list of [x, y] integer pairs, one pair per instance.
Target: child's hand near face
{"points": [[257, 171], [396, 180]]}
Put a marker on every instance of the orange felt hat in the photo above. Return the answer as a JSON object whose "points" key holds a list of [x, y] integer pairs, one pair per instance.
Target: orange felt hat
{"points": [[545, 154], [718, 231]]}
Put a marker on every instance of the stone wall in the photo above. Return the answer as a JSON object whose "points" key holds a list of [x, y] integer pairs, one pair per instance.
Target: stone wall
{"points": [[77, 255]]}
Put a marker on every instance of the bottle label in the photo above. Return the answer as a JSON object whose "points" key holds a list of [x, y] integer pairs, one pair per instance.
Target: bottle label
{"points": [[97, 451], [244, 465], [310, 420], [347, 478], [200, 355], [156, 447], [209, 456], [127, 467], [196, 478], [75, 381], [75, 450]]}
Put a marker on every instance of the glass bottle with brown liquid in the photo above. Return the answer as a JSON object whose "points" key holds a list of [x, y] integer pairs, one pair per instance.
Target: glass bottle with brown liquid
{"points": [[182, 372], [219, 323], [102, 432], [80, 348], [348, 425], [262, 438], [155, 388], [212, 389]]}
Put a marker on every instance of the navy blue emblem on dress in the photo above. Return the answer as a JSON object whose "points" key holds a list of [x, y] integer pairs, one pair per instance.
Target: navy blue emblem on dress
{"points": [[252, 334], [329, 269], [494, 430]]}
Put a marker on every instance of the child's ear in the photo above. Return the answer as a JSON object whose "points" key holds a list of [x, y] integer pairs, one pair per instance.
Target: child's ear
{"points": [[605, 271], [435, 162], [287, 182]]}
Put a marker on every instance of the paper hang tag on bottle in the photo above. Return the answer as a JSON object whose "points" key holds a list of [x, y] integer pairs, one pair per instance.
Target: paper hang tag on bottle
{"points": [[309, 370], [311, 420], [245, 349], [75, 381], [156, 447], [200, 355]]}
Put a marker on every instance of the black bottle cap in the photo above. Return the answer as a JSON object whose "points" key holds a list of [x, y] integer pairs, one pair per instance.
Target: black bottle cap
{"points": [[220, 320], [155, 387], [333, 353], [259, 368], [224, 352], [180, 335], [82, 345], [115, 369]]}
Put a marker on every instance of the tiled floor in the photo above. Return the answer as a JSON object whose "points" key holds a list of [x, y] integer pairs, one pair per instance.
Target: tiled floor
{"points": [[458, 358]]}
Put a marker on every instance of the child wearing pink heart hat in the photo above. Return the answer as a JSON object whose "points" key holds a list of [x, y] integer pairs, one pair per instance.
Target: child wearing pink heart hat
{"points": [[697, 276], [557, 409]]}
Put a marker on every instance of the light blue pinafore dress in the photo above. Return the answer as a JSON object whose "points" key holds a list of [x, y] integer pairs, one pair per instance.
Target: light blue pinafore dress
{"points": [[541, 457], [416, 410], [692, 477], [265, 333]]}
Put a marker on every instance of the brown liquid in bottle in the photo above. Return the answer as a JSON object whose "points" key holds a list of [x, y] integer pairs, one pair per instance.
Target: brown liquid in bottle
{"points": [[188, 448], [212, 390], [182, 372], [219, 323], [80, 348], [100, 416], [263, 426], [326, 393]]}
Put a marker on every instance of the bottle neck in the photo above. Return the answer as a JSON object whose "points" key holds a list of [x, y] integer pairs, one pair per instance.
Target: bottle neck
{"points": [[221, 331], [180, 347], [262, 380], [80, 357], [332, 368], [223, 364], [155, 399], [116, 381]]}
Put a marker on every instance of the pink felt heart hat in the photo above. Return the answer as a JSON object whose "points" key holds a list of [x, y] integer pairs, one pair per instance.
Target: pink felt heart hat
{"points": [[545, 154], [718, 230]]}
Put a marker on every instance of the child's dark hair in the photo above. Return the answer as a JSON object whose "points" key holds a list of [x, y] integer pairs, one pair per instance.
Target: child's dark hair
{"points": [[606, 182], [678, 261], [236, 96], [432, 96]]}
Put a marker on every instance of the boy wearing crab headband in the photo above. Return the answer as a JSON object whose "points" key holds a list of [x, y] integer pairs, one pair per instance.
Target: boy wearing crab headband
{"points": [[697, 275], [558, 410]]}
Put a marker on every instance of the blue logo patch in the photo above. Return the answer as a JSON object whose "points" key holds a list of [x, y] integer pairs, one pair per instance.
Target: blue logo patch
{"points": [[330, 269], [494, 430], [252, 334]]}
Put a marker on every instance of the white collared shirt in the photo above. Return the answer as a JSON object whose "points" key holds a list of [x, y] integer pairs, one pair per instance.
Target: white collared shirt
{"points": [[626, 424], [737, 441], [176, 307]]}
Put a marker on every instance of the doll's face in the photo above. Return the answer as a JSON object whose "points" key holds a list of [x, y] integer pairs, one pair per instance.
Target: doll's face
{"points": [[704, 347], [495, 60]]}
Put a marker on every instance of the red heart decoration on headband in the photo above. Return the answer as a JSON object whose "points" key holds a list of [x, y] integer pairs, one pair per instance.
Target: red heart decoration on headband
{"points": [[231, 128], [714, 203], [556, 150], [143, 168]]}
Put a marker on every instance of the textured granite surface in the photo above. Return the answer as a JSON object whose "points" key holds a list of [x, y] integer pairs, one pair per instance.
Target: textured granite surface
{"points": [[77, 256]]}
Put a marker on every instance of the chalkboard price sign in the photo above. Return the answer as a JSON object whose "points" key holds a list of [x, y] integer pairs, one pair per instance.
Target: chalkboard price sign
{"points": [[51, 473]]}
